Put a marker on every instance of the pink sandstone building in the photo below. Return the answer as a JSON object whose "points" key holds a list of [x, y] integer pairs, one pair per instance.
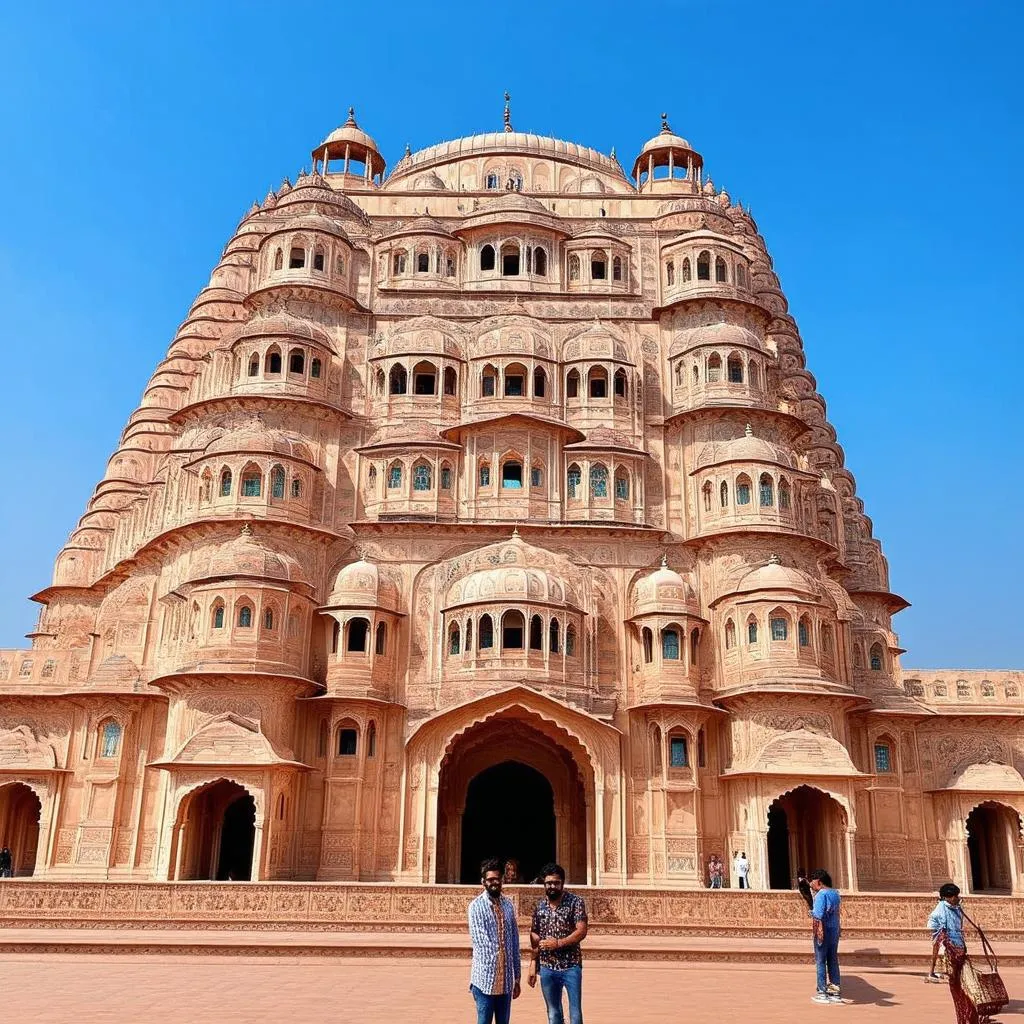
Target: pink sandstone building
{"points": [[487, 507]]}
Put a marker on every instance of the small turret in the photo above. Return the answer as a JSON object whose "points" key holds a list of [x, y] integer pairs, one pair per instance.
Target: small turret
{"points": [[668, 150], [349, 151]]}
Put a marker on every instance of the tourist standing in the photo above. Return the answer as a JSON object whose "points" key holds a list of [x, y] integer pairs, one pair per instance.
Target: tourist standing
{"points": [[559, 926], [715, 872], [825, 913], [742, 866], [494, 978], [6, 863], [946, 922]]}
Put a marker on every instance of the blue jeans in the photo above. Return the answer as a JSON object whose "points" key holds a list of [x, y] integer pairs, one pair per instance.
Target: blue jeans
{"points": [[551, 984], [491, 1008], [826, 959]]}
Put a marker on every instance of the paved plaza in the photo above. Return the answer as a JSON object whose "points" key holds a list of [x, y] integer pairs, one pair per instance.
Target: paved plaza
{"points": [[55, 989]]}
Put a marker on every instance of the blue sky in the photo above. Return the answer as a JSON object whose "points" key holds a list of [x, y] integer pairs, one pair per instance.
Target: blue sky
{"points": [[878, 145]]}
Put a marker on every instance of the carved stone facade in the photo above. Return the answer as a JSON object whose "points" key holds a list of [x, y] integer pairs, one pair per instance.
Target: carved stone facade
{"points": [[495, 483]]}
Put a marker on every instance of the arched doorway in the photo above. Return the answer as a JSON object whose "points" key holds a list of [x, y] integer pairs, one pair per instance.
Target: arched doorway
{"points": [[992, 833], [806, 829], [510, 813], [217, 833], [509, 789], [19, 825]]}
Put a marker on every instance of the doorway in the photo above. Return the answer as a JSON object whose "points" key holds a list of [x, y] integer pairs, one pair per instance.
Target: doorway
{"points": [[780, 874], [510, 813], [806, 829], [992, 831], [19, 826], [218, 834]]}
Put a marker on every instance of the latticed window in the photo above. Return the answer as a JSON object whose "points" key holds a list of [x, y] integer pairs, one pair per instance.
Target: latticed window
{"points": [[421, 478], [245, 616], [296, 487], [723, 495], [883, 758], [599, 482], [446, 478], [730, 635], [454, 641], [536, 476], [218, 617], [670, 645], [485, 476], [784, 499], [678, 756], [395, 477], [622, 487], [742, 493], [277, 482], [767, 491], [803, 634], [780, 629], [110, 740], [876, 658], [751, 632], [225, 483], [268, 619], [573, 480], [251, 485]]}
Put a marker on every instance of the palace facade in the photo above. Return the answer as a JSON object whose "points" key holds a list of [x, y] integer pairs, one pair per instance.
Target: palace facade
{"points": [[487, 506]]}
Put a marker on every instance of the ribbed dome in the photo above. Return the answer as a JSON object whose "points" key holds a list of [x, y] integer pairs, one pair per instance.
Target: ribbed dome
{"points": [[425, 225], [281, 324], [361, 585], [312, 222], [664, 592], [257, 439], [747, 448], [248, 557], [719, 335], [428, 182], [776, 576], [596, 343], [512, 201], [351, 133]]}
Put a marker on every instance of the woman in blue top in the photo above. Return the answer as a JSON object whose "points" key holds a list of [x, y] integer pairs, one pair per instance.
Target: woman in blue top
{"points": [[946, 922], [825, 912]]}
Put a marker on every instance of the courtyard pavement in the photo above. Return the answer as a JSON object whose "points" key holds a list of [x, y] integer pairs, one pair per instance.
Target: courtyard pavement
{"points": [[204, 989]]}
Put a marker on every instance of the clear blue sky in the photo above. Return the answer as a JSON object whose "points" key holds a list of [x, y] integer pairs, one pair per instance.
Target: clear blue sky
{"points": [[878, 145]]}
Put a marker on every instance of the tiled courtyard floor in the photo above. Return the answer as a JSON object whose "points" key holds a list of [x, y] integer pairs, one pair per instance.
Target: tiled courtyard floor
{"points": [[202, 989]]}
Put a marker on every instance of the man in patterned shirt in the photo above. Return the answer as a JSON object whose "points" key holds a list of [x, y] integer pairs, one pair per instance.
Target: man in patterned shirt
{"points": [[559, 926], [494, 980]]}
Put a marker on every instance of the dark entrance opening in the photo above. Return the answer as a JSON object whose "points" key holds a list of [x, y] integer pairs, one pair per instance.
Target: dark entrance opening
{"points": [[779, 875], [992, 831], [237, 838], [19, 826], [510, 812]]}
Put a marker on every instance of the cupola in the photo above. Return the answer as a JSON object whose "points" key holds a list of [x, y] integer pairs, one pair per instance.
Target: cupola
{"points": [[348, 151], [668, 163]]}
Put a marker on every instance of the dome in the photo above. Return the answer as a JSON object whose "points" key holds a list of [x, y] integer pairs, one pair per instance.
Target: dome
{"points": [[361, 585], [664, 592], [987, 777], [720, 335], [747, 448], [311, 222], [773, 575], [259, 439], [509, 201], [511, 580], [664, 141], [428, 182], [350, 142], [596, 231], [249, 557], [605, 439], [594, 344], [281, 324], [513, 208], [424, 225], [351, 133]]}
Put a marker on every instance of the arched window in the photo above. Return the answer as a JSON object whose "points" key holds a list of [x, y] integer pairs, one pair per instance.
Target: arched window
{"points": [[570, 641], [540, 383], [751, 631], [422, 263], [348, 742], [424, 379], [378, 381], [485, 474], [706, 492], [694, 646], [714, 373], [110, 739], [743, 489], [252, 482], [335, 637], [734, 367], [721, 274], [704, 266], [573, 478], [647, 638], [225, 483], [536, 633], [398, 262], [277, 482], [357, 631], [488, 381], [696, 374], [395, 476], [268, 619], [553, 637], [940, 690], [296, 487], [730, 634], [218, 616], [486, 632], [702, 759], [876, 658], [540, 262], [678, 754], [513, 628], [380, 641], [779, 626], [620, 384], [670, 273], [272, 364], [574, 267], [679, 374], [449, 265], [371, 740], [621, 485], [785, 499], [487, 257], [491, 181], [883, 758], [515, 380], [421, 477], [670, 644], [572, 384], [278, 260], [536, 476], [597, 381], [598, 266], [510, 259], [446, 477], [469, 635], [398, 380], [617, 268], [254, 365], [598, 481], [454, 639], [297, 259], [686, 269], [766, 490], [723, 495], [245, 616], [803, 631], [296, 361], [512, 474], [451, 381]]}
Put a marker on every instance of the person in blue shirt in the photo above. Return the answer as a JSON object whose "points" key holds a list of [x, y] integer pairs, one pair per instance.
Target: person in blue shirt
{"points": [[825, 914], [946, 922]]}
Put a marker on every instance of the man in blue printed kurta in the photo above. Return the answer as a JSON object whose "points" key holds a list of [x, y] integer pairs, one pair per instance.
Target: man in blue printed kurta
{"points": [[494, 932]]}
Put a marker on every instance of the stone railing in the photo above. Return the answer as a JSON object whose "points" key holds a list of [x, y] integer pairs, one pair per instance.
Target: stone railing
{"points": [[974, 688]]}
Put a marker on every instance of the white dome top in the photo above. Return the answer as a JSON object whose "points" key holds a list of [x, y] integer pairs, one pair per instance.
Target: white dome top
{"points": [[664, 592]]}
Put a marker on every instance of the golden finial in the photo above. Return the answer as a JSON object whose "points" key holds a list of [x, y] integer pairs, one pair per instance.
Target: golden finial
{"points": [[508, 113]]}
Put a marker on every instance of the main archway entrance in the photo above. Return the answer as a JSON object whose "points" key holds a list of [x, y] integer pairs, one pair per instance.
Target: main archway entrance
{"points": [[992, 831], [510, 814], [512, 789], [806, 829], [218, 833], [19, 825]]}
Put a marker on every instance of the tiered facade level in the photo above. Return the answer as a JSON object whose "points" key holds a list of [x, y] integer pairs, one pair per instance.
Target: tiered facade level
{"points": [[488, 507]]}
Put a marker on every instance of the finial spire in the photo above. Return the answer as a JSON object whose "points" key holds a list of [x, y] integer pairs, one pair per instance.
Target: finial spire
{"points": [[749, 430], [665, 130], [774, 560], [612, 154], [351, 118], [408, 149], [664, 560], [515, 531], [246, 530], [508, 113]]}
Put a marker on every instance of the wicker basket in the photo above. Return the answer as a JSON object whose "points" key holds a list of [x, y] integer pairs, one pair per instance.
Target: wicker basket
{"points": [[981, 982]]}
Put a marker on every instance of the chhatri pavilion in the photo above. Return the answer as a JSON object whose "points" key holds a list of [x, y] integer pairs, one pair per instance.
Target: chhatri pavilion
{"points": [[486, 506]]}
